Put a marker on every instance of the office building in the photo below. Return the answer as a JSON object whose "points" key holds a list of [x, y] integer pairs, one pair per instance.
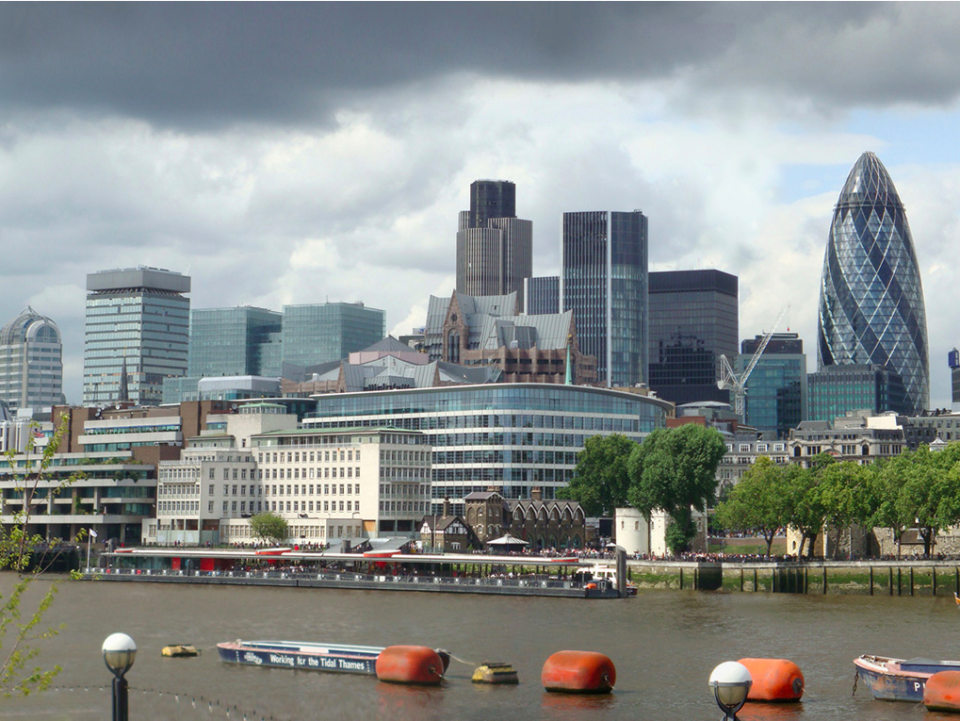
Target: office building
{"points": [[494, 247], [541, 295], [231, 341], [836, 390], [694, 319], [777, 388], [953, 360], [526, 348], [329, 486], [603, 256], [31, 362], [137, 333], [509, 438], [325, 332], [871, 299]]}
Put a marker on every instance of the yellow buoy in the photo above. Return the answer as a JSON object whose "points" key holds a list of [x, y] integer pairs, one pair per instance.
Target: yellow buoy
{"points": [[495, 672]]}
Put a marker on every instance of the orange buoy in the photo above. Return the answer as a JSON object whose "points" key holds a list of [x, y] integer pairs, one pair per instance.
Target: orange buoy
{"points": [[942, 691], [774, 679], [578, 672], [410, 664]]}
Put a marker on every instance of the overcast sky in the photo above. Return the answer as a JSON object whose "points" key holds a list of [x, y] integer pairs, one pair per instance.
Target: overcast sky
{"points": [[286, 153]]}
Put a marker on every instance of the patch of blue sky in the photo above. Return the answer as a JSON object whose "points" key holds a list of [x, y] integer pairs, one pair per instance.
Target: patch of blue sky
{"points": [[912, 136]]}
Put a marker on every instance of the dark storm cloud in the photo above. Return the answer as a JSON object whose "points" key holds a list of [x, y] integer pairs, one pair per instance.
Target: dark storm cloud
{"points": [[212, 63]]}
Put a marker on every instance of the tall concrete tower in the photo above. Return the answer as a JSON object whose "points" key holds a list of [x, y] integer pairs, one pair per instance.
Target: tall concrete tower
{"points": [[494, 247]]}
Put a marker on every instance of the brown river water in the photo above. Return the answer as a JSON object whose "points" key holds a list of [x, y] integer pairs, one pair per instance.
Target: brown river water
{"points": [[664, 645]]}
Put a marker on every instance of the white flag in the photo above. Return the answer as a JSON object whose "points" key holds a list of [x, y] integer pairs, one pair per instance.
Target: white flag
{"points": [[93, 534]]}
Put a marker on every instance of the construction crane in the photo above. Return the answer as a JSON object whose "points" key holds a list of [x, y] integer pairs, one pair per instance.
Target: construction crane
{"points": [[738, 384]]}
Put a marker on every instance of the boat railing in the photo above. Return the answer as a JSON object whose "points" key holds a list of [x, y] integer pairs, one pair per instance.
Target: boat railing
{"points": [[532, 581]]}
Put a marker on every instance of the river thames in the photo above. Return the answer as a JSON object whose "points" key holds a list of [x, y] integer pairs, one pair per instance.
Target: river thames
{"points": [[664, 645]]}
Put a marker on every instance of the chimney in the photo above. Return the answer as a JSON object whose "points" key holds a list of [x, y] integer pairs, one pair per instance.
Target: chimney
{"points": [[536, 494], [446, 507]]}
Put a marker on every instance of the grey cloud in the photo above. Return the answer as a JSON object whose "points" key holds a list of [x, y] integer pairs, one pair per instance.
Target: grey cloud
{"points": [[205, 65]]}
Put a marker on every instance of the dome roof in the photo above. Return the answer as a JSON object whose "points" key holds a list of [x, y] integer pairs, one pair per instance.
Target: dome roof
{"points": [[30, 326]]}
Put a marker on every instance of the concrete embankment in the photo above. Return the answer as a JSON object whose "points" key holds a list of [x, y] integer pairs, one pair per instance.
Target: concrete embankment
{"points": [[892, 578]]}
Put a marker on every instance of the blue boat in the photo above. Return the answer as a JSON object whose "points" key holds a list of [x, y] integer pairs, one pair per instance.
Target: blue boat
{"points": [[896, 679], [337, 658]]}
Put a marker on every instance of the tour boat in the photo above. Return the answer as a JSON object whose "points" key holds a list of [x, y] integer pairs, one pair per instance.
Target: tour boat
{"points": [[897, 679], [338, 658], [600, 572]]}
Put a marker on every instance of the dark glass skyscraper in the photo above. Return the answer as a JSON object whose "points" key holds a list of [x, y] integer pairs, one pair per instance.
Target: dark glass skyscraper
{"points": [[603, 280], [231, 341], [871, 300], [541, 296], [694, 319], [777, 388], [494, 246]]}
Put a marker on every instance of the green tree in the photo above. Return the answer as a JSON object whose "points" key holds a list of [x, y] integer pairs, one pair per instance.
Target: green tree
{"points": [[929, 489], [601, 479], [676, 470], [886, 479], [804, 509], [758, 502], [21, 624], [844, 492], [270, 526]]}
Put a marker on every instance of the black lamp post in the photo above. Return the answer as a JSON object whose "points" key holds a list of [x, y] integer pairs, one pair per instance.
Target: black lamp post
{"points": [[119, 652]]}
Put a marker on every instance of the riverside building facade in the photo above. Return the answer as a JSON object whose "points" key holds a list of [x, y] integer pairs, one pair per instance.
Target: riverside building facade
{"points": [[330, 485], [508, 438]]}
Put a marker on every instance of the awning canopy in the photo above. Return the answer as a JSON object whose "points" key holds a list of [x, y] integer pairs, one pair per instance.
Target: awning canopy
{"points": [[507, 540]]}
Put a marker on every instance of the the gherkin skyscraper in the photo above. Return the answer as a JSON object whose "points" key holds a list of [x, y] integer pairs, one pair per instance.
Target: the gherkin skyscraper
{"points": [[871, 299]]}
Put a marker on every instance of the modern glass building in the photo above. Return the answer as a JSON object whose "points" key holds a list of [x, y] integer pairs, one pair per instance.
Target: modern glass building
{"points": [[541, 296], [313, 334], [230, 341], [508, 438], [777, 388], [603, 256], [835, 390], [31, 362], [137, 333], [494, 247], [694, 319], [871, 300]]}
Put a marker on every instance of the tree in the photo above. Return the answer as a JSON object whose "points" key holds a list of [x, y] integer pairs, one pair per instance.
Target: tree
{"points": [[844, 492], [886, 478], [804, 511], [930, 485], [20, 626], [270, 526], [675, 470], [758, 502], [601, 479]]}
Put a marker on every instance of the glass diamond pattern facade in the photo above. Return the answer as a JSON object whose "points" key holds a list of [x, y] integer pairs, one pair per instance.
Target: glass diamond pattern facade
{"points": [[871, 299]]}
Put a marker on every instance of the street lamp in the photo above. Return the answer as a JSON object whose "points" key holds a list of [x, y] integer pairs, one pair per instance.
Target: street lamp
{"points": [[119, 652], [730, 682]]}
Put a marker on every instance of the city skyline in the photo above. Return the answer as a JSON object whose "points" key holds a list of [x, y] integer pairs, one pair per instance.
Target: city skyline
{"points": [[297, 165]]}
